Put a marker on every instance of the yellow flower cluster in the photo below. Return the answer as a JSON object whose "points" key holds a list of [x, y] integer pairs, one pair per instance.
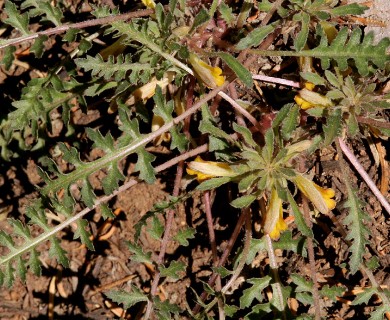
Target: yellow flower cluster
{"points": [[273, 222]]}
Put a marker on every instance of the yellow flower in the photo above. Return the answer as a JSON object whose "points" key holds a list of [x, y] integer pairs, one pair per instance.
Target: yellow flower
{"points": [[157, 123], [320, 197], [149, 3], [273, 221], [209, 169], [211, 76], [307, 98]]}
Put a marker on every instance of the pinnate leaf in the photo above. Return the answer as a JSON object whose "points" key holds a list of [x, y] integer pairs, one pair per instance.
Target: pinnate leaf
{"points": [[173, 270], [15, 18], [182, 236], [128, 299], [254, 292]]}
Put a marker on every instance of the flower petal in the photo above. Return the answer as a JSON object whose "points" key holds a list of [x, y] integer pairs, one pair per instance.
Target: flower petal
{"points": [[209, 169], [273, 221], [211, 76], [320, 197]]}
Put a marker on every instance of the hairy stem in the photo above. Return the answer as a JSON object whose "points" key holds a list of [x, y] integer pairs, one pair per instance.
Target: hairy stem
{"points": [[371, 184], [78, 25], [166, 238], [224, 256], [274, 271], [312, 261]]}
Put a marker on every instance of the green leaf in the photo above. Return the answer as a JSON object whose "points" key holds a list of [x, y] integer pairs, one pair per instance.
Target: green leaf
{"points": [[111, 181], [20, 229], [106, 143], [254, 292], [213, 183], [279, 297], [299, 219], [226, 13], [21, 269], [362, 52], [117, 67], [302, 283], [313, 78], [16, 19], [87, 194], [333, 127], [83, 234], [332, 292], [254, 38], [164, 309], [358, 231], [128, 299], [241, 72], [281, 115], [164, 110], [57, 252], [246, 134], [183, 235], [333, 79], [39, 45], [201, 18], [144, 166], [379, 312], [173, 270], [352, 8], [268, 150], [290, 122], [34, 263], [286, 242], [138, 254], [222, 271], [8, 57], [305, 298], [106, 211], [300, 40], [157, 228], [364, 297], [230, 310], [243, 201]]}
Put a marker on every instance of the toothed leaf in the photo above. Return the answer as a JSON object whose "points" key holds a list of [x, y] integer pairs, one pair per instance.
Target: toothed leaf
{"points": [[254, 292], [358, 231], [157, 228], [128, 299], [182, 236], [254, 38], [144, 166], [173, 270], [138, 255], [34, 263], [16, 19], [114, 67], [114, 175], [300, 40], [83, 234], [57, 252], [241, 72], [106, 143], [333, 127], [87, 194]]}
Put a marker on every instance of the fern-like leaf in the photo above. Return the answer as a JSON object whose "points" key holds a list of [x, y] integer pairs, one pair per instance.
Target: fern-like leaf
{"points": [[345, 47], [358, 231], [45, 9], [111, 68], [16, 19]]}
